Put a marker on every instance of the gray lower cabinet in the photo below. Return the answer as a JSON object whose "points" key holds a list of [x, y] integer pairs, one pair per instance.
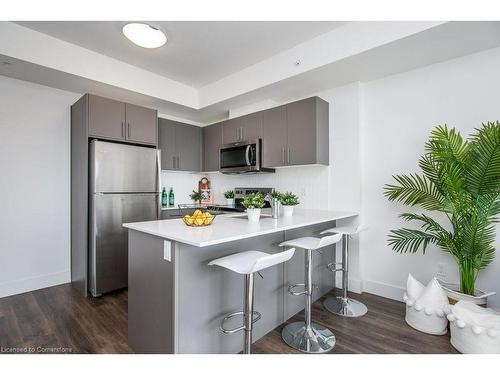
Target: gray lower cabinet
{"points": [[170, 214], [212, 139], [296, 133], [180, 145], [115, 120]]}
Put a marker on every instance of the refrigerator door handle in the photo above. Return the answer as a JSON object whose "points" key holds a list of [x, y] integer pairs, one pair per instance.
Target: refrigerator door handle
{"points": [[158, 167]]}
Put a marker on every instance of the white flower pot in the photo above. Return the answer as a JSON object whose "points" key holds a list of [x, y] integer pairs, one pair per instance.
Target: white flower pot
{"points": [[253, 214], [230, 201], [452, 291], [287, 210]]}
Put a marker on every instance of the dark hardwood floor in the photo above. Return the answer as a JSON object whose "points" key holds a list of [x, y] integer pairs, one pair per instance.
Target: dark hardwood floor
{"points": [[60, 318]]}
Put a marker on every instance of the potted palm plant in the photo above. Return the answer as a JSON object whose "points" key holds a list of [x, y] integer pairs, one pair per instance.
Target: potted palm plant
{"points": [[253, 203], [288, 202], [460, 182], [229, 195]]}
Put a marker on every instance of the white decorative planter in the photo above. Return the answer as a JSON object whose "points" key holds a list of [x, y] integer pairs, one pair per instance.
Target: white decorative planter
{"points": [[474, 329], [253, 214], [425, 306], [479, 297], [287, 210], [230, 201]]}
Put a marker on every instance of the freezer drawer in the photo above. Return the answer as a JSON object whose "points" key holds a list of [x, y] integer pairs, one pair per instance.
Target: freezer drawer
{"points": [[118, 168], [108, 263]]}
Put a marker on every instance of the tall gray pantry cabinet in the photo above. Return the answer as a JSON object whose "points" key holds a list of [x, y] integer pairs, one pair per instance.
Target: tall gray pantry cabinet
{"points": [[94, 117]]}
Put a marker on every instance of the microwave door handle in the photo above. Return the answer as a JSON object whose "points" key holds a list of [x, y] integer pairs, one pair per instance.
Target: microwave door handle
{"points": [[252, 156], [247, 155]]}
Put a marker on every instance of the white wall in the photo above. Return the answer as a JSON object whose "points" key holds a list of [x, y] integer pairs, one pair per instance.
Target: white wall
{"points": [[34, 186], [398, 114]]}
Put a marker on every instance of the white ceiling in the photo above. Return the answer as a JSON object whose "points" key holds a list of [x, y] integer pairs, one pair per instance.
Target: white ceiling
{"points": [[196, 53]]}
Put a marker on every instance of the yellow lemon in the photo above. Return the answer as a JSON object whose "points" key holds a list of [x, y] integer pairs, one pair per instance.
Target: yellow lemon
{"points": [[196, 213], [198, 221], [190, 221], [208, 220]]}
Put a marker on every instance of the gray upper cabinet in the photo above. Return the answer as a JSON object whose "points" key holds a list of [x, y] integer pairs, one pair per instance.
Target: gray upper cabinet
{"points": [[212, 139], [188, 147], [180, 146], [301, 121], [296, 133], [141, 124], [274, 143], [231, 130], [166, 143], [242, 128], [111, 119], [106, 118], [251, 126]]}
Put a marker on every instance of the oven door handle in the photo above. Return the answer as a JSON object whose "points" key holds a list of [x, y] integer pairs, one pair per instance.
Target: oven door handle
{"points": [[247, 155]]}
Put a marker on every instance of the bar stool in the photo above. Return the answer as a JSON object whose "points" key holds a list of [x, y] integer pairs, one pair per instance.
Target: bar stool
{"points": [[344, 305], [247, 263], [306, 336]]}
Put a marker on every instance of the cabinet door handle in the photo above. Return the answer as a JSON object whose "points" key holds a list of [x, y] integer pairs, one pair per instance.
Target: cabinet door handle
{"points": [[123, 129], [288, 156], [282, 155], [128, 129], [178, 162], [241, 134]]}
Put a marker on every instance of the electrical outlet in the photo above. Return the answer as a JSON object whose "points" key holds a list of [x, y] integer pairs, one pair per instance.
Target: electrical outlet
{"points": [[440, 273]]}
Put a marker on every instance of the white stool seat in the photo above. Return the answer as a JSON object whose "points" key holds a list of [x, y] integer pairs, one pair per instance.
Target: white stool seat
{"points": [[249, 262], [312, 243], [346, 230]]}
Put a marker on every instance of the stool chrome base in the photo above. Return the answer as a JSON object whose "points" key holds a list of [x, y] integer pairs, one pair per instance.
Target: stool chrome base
{"points": [[315, 339], [345, 306]]}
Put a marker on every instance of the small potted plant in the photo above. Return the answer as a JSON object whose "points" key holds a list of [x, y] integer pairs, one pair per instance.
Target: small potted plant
{"points": [[253, 203], [229, 195], [196, 196], [288, 201]]}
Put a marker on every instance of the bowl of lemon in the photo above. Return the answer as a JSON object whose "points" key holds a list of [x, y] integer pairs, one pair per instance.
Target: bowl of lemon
{"points": [[198, 219]]}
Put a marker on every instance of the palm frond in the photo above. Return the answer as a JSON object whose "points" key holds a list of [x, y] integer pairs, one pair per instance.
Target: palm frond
{"points": [[483, 164], [447, 145], [406, 240], [415, 190]]}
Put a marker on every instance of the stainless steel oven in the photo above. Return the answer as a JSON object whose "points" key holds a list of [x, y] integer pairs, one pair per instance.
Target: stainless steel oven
{"points": [[242, 157]]}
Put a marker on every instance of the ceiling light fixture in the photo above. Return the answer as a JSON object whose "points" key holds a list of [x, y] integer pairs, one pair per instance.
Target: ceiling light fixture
{"points": [[144, 35]]}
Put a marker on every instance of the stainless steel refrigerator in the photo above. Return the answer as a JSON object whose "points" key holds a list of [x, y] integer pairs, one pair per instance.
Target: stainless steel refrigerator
{"points": [[124, 187]]}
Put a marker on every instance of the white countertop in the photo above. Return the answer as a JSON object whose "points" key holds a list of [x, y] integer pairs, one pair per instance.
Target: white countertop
{"points": [[226, 228]]}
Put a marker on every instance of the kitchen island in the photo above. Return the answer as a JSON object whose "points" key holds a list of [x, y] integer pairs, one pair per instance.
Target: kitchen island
{"points": [[176, 301]]}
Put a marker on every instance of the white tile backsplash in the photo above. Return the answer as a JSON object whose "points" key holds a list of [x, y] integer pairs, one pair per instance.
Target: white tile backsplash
{"points": [[183, 184], [310, 183]]}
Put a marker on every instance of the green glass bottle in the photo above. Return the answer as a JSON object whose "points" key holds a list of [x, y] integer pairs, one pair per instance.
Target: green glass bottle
{"points": [[164, 198], [171, 198]]}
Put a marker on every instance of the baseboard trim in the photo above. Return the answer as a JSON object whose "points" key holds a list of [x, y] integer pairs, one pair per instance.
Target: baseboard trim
{"points": [[355, 285], [384, 290], [11, 288]]}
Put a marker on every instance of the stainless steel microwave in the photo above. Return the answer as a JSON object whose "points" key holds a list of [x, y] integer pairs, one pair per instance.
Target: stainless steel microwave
{"points": [[242, 157]]}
